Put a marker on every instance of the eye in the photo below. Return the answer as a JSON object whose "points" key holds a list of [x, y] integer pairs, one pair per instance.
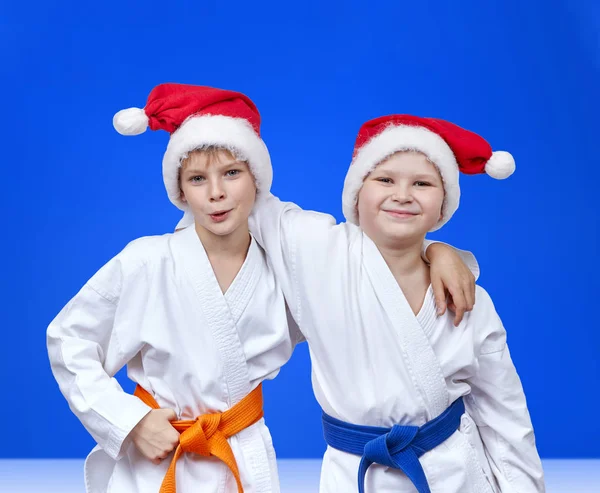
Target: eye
{"points": [[232, 172], [422, 184], [196, 179], [383, 179]]}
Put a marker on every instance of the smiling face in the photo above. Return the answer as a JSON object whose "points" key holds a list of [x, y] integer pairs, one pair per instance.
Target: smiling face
{"points": [[401, 199], [219, 190]]}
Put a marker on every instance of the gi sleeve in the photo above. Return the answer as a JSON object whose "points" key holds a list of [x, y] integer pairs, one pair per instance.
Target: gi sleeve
{"points": [[467, 257], [289, 236], [497, 405], [85, 354]]}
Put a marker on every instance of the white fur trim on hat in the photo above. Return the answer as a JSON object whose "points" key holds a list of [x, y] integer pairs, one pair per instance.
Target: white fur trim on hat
{"points": [[235, 134], [501, 165], [398, 138], [132, 121]]}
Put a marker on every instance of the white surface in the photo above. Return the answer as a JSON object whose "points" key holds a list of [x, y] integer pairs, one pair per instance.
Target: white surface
{"points": [[297, 475]]}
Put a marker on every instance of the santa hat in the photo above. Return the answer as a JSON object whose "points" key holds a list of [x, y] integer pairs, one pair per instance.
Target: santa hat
{"points": [[196, 117], [450, 147]]}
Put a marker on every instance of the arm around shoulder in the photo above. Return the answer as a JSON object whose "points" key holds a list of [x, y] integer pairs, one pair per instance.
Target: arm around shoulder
{"points": [[453, 271], [289, 235], [432, 247]]}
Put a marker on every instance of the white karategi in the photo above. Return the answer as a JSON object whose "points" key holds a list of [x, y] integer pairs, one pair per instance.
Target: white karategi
{"points": [[375, 363], [157, 307]]}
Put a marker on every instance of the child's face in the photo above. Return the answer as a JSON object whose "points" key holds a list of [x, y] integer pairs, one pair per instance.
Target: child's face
{"points": [[219, 190], [401, 200]]}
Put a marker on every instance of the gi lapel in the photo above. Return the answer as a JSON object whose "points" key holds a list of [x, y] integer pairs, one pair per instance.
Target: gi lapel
{"points": [[419, 355], [212, 303], [242, 288]]}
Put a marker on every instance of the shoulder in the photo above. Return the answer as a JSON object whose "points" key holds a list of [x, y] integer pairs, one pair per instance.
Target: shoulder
{"points": [[484, 308], [321, 227], [138, 255], [351, 231], [487, 323], [302, 218], [146, 249], [483, 298]]}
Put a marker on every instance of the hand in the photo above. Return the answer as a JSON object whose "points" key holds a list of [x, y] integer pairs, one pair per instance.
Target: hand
{"points": [[154, 436], [449, 274]]}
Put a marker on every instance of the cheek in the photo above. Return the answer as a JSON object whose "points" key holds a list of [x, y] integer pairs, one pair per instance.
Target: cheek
{"points": [[434, 202], [245, 192], [185, 192], [194, 196], [369, 202], [188, 192], [366, 198], [361, 205]]}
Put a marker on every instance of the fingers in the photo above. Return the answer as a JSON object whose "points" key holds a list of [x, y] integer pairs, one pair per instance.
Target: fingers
{"points": [[158, 459], [469, 290], [459, 304], [461, 297], [154, 436], [439, 294], [158, 456]]}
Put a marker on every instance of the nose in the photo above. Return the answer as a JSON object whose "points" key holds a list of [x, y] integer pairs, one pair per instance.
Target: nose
{"points": [[402, 193], [216, 191]]}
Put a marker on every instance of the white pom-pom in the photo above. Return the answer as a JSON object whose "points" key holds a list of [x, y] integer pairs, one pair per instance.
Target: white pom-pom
{"points": [[132, 121], [501, 165]]}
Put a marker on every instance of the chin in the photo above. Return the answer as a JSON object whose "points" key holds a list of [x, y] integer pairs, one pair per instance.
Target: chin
{"points": [[223, 231], [403, 233]]}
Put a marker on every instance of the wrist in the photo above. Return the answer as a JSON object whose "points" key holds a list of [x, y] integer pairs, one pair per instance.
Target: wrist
{"points": [[433, 250]]}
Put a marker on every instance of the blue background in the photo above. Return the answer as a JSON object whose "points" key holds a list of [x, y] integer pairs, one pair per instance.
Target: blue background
{"points": [[523, 74]]}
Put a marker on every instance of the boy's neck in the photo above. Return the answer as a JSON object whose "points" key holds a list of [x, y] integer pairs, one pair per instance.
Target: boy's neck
{"points": [[403, 260], [235, 244], [409, 269]]}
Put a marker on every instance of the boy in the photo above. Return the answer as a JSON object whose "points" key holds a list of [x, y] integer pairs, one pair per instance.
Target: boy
{"points": [[196, 316], [410, 402]]}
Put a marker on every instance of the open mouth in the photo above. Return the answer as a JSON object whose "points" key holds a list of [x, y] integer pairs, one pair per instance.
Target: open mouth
{"points": [[219, 216]]}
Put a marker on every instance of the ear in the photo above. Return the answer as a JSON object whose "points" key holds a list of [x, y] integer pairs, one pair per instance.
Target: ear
{"points": [[181, 195]]}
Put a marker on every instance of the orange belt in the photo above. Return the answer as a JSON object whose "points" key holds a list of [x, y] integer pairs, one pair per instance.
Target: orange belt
{"points": [[207, 435]]}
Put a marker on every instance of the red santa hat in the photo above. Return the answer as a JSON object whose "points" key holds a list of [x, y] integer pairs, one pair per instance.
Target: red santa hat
{"points": [[450, 147], [196, 117]]}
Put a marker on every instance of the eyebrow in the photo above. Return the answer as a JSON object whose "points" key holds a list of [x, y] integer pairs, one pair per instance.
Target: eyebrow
{"points": [[395, 172], [193, 170], [429, 176]]}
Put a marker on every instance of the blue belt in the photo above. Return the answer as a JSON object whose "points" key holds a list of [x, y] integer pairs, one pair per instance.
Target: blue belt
{"points": [[399, 446]]}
